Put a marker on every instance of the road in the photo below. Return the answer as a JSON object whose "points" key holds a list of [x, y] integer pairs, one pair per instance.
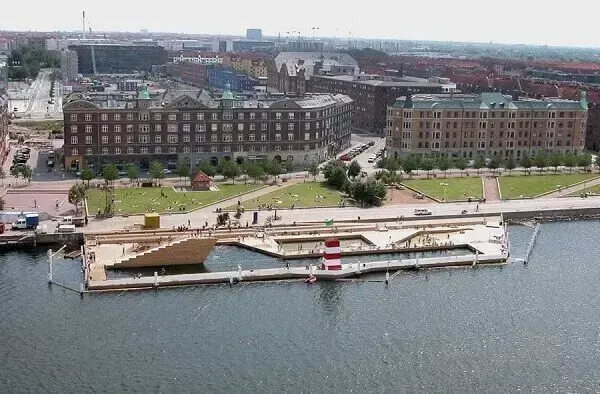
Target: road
{"points": [[35, 106]]}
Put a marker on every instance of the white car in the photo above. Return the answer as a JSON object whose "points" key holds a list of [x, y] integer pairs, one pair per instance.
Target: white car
{"points": [[372, 158], [422, 211]]}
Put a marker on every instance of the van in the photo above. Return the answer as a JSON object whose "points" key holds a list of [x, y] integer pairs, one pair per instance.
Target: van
{"points": [[66, 228], [422, 211], [66, 220]]}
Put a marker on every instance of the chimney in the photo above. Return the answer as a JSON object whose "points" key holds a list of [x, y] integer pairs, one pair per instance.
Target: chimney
{"points": [[84, 25]]}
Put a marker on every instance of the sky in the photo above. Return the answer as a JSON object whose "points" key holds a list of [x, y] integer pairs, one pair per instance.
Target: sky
{"points": [[502, 21]]}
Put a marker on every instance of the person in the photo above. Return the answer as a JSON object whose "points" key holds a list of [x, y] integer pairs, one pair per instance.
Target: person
{"points": [[35, 202], [189, 223]]}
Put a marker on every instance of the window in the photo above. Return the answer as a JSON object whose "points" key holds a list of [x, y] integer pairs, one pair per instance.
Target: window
{"points": [[263, 126], [213, 127], [117, 117], [263, 137], [277, 126], [290, 136], [104, 117], [227, 138], [252, 137], [74, 152], [186, 128], [227, 115], [105, 151], [172, 128], [144, 116], [306, 126], [306, 136], [186, 116], [213, 138], [290, 126], [252, 126], [240, 127], [157, 150], [88, 117], [172, 117], [88, 151], [251, 149], [74, 140], [263, 148], [200, 138], [213, 149], [306, 147], [214, 116], [144, 150], [130, 151], [88, 128], [277, 136], [201, 127], [263, 115], [129, 116], [186, 149], [200, 116], [199, 149], [117, 151], [227, 148], [227, 127], [117, 128], [278, 115], [172, 138], [88, 139], [277, 148], [252, 116], [291, 115], [105, 139], [143, 139], [129, 128], [157, 139], [157, 116], [117, 139], [130, 139], [186, 138], [158, 128], [240, 116], [74, 128], [144, 128], [240, 137], [73, 117], [239, 148], [307, 115]]}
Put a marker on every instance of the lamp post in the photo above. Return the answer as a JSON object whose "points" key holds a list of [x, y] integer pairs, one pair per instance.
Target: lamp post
{"points": [[445, 189]]}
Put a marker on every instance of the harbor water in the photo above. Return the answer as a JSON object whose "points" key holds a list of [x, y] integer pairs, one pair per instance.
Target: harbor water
{"points": [[533, 327]]}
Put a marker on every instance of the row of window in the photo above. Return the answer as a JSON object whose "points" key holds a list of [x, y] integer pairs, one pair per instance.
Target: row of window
{"points": [[484, 114], [483, 125], [227, 115], [186, 149], [482, 144], [173, 128]]}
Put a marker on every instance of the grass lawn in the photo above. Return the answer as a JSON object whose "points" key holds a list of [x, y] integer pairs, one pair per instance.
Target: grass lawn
{"points": [[309, 194], [457, 189], [132, 200], [514, 187], [595, 190]]}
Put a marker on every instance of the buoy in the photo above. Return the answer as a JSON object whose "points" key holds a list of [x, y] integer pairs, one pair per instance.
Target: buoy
{"points": [[155, 279]]}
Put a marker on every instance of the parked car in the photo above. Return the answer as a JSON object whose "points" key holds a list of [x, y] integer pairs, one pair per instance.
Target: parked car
{"points": [[371, 159], [422, 211]]}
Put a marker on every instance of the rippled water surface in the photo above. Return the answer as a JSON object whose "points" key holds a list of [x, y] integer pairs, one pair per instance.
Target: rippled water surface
{"points": [[531, 328]]}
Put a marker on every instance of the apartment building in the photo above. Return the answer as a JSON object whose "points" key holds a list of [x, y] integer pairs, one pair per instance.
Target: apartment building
{"points": [[194, 125], [487, 124]]}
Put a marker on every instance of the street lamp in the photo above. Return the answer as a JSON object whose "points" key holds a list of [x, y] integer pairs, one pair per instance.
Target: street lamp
{"points": [[445, 188]]}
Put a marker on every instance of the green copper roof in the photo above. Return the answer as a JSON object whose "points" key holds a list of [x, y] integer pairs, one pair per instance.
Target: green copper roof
{"points": [[144, 95], [227, 95]]}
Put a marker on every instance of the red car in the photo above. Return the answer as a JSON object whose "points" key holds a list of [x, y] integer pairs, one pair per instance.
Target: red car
{"points": [[345, 158]]}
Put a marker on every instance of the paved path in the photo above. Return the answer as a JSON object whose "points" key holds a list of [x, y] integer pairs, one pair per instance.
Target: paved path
{"points": [[490, 187], [573, 189]]}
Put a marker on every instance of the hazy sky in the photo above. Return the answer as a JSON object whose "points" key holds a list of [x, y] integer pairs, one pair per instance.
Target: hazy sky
{"points": [[503, 21]]}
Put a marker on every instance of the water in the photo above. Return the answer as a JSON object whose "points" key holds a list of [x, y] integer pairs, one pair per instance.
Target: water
{"points": [[530, 328]]}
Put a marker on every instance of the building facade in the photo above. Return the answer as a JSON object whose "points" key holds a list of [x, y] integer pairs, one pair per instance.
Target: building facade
{"points": [[372, 94], [221, 77], [191, 73], [4, 117], [195, 126], [69, 65], [487, 124], [117, 59]]}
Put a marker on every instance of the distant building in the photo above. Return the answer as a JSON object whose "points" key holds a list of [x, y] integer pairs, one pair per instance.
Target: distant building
{"points": [[190, 73], [69, 65], [254, 34], [4, 117], [373, 93], [118, 59], [201, 181], [487, 124], [129, 85], [254, 64], [194, 126], [221, 77], [206, 58], [304, 46], [290, 71]]}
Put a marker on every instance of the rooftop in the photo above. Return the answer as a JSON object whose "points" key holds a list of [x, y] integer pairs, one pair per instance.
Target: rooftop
{"points": [[381, 80], [296, 61]]}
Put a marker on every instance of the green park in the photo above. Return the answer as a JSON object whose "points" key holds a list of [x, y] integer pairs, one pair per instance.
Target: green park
{"points": [[138, 200], [528, 186], [448, 189], [299, 195]]}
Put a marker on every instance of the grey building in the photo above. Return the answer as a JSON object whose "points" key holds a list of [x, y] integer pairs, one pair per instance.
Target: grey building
{"points": [[254, 34]]}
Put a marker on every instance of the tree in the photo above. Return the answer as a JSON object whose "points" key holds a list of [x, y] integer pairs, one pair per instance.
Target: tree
{"points": [[569, 161], [541, 161], [2, 175], [526, 163], [368, 192], [314, 170], [157, 170], [76, 195], [598, 162], [183, 169], [510, 164], [494, 163], [409, 165], [354, 169], [443, 163], [254, 171], [427, 164], [584, 160], [392, 164], [26, 172], [15, 172], [132, 172], [335, 174], [110, 173], [461, 164], [86, 175], [230, 170], [479, 163], [206, 168], [273, 168], [555, 160], [2, 203]]}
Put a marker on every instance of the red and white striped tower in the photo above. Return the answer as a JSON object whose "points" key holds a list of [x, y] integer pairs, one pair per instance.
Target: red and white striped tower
{"points": [[332, 255]]}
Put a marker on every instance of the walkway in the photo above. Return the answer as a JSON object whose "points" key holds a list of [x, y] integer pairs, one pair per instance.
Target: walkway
{"points": [[573, 189], [490, 189]]}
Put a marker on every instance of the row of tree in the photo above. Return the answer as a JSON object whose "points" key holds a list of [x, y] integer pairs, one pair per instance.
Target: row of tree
{"points": [[22, 171], [364, 190], [413, 163], [26, 62]]}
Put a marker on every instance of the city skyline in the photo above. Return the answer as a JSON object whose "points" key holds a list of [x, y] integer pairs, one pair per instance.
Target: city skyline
{"points": [[466, 21]]}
